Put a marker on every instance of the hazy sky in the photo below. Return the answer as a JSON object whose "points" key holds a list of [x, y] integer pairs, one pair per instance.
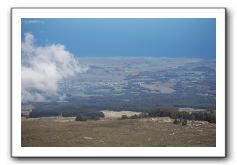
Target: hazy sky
{"points": [[127, 37]]}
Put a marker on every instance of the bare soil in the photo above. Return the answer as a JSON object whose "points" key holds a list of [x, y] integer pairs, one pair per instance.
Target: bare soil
{"points": [[118, 114]]}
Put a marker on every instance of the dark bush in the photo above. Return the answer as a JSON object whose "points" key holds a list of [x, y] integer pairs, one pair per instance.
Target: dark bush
{"points": [[184, 122], [94, 118], [143, 115], [176, 121], [81, 118], [134, 117], [124, 117], [209, 115]]}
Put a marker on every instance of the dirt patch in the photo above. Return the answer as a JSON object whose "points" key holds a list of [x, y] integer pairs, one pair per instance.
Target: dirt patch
{"points": [[118, 114], [158, 119]]}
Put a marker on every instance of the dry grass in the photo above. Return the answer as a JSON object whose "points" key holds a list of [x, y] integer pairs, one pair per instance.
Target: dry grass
{"points": [[116, 133], [118, 114]]}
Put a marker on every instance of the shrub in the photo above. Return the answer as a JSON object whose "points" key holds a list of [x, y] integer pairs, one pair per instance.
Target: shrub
{"points": [[184, 122], [176, 121], [81, 118], [95, 118], [124, 117], [134, 117], [143, 115]]}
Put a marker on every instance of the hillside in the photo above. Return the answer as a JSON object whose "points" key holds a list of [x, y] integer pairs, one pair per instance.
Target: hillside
{"points": [[149, 132]]}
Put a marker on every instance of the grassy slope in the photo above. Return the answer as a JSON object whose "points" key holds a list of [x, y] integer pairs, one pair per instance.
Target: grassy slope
{"points": [[115, 133]]}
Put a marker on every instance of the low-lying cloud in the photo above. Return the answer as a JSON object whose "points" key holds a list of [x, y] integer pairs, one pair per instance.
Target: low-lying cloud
{"points": [[43, 67]]}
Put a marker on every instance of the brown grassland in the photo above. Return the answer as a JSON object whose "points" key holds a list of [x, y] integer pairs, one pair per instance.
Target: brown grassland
{"points": [[116, 133]]}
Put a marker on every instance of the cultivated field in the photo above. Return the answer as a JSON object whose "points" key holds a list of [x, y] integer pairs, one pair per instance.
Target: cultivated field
{"points": [[150, 132]]}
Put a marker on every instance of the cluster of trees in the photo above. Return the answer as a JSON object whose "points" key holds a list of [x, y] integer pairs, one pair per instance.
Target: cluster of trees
{"points": [[209, 115], [82, 114], [85, 117], [142, 115], [180, 117]]}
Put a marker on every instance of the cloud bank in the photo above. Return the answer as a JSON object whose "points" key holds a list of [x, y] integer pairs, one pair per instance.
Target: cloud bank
{"points": [[43, 67]]}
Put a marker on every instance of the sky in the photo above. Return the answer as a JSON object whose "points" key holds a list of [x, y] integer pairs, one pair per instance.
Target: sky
{"points": [[50, 47], [156, 37]]}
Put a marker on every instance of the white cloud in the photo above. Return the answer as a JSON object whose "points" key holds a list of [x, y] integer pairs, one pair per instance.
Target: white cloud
{"points": [[43, 67]]}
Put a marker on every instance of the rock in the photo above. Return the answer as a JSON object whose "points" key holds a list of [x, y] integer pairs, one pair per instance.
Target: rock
{"points": [[88, 138]]}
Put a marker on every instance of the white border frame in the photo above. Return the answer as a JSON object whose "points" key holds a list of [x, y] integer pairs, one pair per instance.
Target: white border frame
{"points": [[218, 151]]}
